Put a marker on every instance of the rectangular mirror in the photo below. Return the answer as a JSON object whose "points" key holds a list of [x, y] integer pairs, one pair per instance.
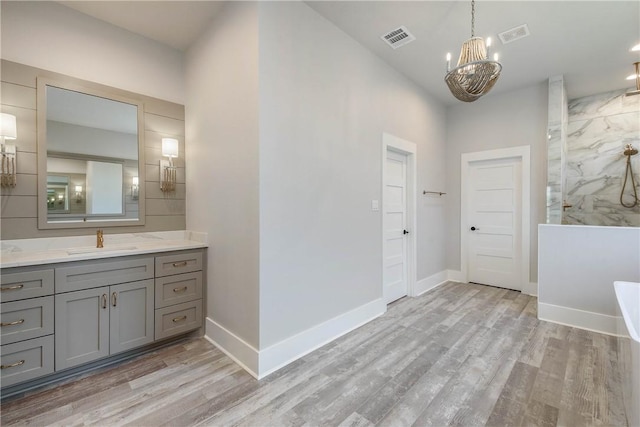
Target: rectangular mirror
{"points": [[90, 156]]}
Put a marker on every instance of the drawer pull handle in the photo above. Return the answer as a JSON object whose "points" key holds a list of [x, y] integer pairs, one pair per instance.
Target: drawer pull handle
{"points": [[104, 300], [114, 299], [182, 289], [12, 288], [13, 365], [180, 264], [179, 319], [16, 322]]}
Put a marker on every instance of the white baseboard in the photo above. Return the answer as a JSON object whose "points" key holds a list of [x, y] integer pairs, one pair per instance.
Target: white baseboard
{"points": [[456, 276], [588, 320], [431, 282], [286, 351], [233, 346]]}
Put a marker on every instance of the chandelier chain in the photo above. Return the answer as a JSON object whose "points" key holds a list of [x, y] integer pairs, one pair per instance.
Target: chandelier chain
{"points": [[473, 17]]}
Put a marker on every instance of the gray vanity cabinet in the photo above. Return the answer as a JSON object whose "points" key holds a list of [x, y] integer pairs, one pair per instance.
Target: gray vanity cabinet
{"points": [[82, 326], [178, 293], [61, 316], [98, 322], [26, 324]]}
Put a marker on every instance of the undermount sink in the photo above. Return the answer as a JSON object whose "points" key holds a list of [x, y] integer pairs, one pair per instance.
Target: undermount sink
{"points": [[99, 250]]}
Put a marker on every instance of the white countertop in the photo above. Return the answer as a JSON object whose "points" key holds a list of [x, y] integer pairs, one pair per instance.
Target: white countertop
{"points": [[26, 252]]}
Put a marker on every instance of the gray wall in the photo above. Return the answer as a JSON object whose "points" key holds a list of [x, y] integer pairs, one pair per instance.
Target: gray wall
{"points": [[56, 38], [285, 116], [513, 119], [222, 129], [324, 105], [578, 266], [48, 35]]}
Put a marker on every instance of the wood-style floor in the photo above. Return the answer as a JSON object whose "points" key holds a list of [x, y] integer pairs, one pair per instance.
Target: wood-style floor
{"points": [[460, 355]]}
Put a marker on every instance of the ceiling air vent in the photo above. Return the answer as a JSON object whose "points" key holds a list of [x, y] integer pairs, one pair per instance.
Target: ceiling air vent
{"points": [[398, 37], [514, 34]]}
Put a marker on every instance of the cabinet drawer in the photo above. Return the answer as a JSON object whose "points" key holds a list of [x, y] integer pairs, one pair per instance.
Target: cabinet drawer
{"points": [[178, 318], [92, 274], [177, 289], [25, 284], [23, 320], [184, 262], [26, 360]]}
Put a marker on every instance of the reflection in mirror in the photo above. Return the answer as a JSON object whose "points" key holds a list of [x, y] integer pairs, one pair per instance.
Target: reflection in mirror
{"points": [[57, 194], [102, 179], [92, 155]]}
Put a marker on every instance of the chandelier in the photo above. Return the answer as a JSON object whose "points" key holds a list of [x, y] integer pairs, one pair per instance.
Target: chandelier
{"points": [[475, 74]]}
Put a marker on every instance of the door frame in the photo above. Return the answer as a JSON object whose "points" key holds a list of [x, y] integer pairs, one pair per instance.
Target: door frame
{"points": [[524, 154], [409, 149]]}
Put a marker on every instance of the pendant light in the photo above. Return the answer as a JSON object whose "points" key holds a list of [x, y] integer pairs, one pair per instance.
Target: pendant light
{"points": [[475, 74]]}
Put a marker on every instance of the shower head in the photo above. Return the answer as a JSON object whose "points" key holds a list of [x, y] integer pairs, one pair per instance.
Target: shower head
{"points": [[630, 151]]}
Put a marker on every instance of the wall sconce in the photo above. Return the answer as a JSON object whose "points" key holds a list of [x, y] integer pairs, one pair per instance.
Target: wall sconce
{"points": [[135, 187], [167, 170], [78, 193], [8, 131]]}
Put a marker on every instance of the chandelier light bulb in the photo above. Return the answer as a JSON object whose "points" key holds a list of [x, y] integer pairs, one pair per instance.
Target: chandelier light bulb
{"points": [[632, 77], [495, 57], [488, 41], [636, 48]]}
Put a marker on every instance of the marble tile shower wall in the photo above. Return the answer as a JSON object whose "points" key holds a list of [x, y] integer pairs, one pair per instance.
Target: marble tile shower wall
{"points": [[599, 128], [556, 148]]}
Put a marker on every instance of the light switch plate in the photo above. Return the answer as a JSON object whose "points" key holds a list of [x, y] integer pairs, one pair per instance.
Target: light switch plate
{"points": [[375, 205]]}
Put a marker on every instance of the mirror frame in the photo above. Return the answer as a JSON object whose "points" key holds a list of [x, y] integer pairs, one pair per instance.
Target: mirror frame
{"points": [[95, 89]]}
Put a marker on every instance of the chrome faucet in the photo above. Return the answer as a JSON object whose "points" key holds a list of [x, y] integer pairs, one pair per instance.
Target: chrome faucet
{"points": [[99, 239]]}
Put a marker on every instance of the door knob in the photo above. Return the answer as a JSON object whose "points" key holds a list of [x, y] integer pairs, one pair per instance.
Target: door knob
{"points": [[405, 232], [474, 229]]}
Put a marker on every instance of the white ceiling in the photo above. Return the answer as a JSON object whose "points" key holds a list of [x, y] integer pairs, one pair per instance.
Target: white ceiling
{"points": [[586, 41], [174, 23]]}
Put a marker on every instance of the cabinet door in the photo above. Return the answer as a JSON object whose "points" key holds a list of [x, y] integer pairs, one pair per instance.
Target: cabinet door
{"points": [[22, 283], [26, 360], [131, 315], [82, 327], [75, 276], [172, 290], [179, 318], [21, 320], [179, 262]]}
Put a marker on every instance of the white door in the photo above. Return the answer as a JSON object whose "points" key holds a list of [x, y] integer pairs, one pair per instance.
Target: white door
{"points": [[395, 227], [494, 191]]}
